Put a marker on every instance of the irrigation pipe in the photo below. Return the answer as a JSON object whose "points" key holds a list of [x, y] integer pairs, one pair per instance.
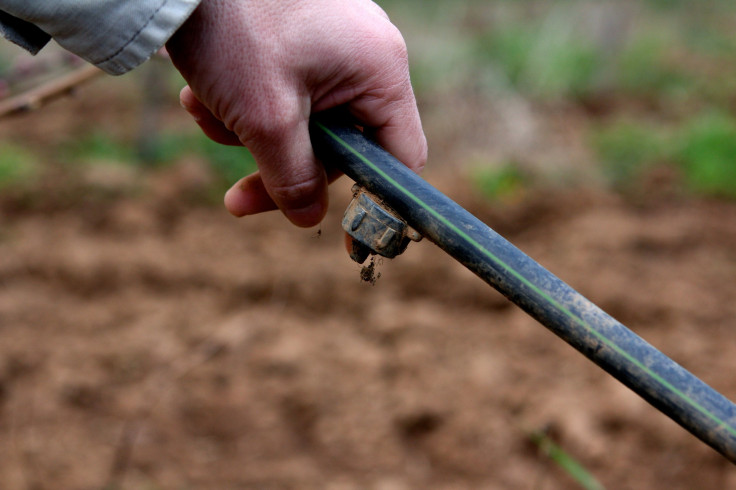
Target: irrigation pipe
{"points": [[655, 377]]}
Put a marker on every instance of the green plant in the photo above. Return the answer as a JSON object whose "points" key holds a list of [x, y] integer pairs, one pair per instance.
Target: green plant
{"points": [[703, 148], [626, 149], [100, 147], [500, 182], [546, 57], [565, 461], [643, 67], [229, 163], [707, 154], [17, 166]]}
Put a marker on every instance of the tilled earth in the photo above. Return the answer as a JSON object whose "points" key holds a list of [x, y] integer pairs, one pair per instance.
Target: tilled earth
{"points": [[142, 347]]}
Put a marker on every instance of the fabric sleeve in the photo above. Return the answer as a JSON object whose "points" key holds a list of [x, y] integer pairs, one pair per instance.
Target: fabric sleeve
{"points": [[115, 35], [22, 33]]}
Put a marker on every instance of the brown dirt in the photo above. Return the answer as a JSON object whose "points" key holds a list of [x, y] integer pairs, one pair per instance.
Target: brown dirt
{"points": [[147, 343], [195, 351]]}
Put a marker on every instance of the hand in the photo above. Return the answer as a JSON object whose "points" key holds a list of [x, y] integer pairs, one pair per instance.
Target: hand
{"points": [[257, 69]]}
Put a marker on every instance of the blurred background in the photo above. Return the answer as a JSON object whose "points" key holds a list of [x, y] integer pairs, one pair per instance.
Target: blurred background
{"points": [[149, 340]]}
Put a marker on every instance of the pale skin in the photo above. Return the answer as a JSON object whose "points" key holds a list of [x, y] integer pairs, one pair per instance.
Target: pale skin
{"points": [[257, 69]]}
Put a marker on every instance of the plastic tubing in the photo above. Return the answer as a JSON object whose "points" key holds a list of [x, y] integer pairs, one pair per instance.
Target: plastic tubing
{"points": [[655, 377]]}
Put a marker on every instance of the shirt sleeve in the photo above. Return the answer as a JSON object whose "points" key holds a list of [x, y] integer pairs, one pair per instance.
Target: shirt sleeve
{"points": [[115, 35]]}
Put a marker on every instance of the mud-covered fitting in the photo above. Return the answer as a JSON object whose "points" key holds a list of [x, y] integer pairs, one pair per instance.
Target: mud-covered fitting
{"points": [[375, 228]]}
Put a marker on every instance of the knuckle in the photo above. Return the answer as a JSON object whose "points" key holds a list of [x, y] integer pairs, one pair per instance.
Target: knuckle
{"points": [[297, 194], [422, 155], [381, 39], [416, 158], [265, 117], [393, 42], [262, 126]]}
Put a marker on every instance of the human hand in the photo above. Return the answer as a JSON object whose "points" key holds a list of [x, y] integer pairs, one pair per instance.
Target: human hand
{"points": [[257, 69]]}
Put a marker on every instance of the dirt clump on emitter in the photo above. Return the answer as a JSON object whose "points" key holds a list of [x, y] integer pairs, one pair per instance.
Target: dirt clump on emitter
{"points": [[368, 272]]}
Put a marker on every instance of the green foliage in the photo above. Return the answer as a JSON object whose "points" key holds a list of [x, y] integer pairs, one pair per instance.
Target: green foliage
{"points": [[643, 68], [99, 147], [626, 149], [510, 49], [500, 182], [228, 163], [17, 166], [168, 147], [706, 152], [661, 51], [565, 461], [703, 149], [547, 59]]}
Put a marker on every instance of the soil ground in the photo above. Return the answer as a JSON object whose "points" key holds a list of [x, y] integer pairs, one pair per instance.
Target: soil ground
{"points": [[150, 343]]}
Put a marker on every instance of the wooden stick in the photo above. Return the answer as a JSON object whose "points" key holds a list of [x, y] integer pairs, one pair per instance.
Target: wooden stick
{"points": [[38, 97]]}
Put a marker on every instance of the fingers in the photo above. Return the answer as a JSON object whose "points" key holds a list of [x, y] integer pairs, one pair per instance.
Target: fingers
{"points": [[211, 126], [249, 196], [401, 135], [290, 178], [383, 101], [391, 117], [289, 172]]}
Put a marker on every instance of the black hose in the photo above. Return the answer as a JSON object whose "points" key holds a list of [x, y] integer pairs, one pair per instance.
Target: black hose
{"points": [[655, 377]]}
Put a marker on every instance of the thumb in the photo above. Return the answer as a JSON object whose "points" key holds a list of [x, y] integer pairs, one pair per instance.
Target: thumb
{"points": [[289, 172]]}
